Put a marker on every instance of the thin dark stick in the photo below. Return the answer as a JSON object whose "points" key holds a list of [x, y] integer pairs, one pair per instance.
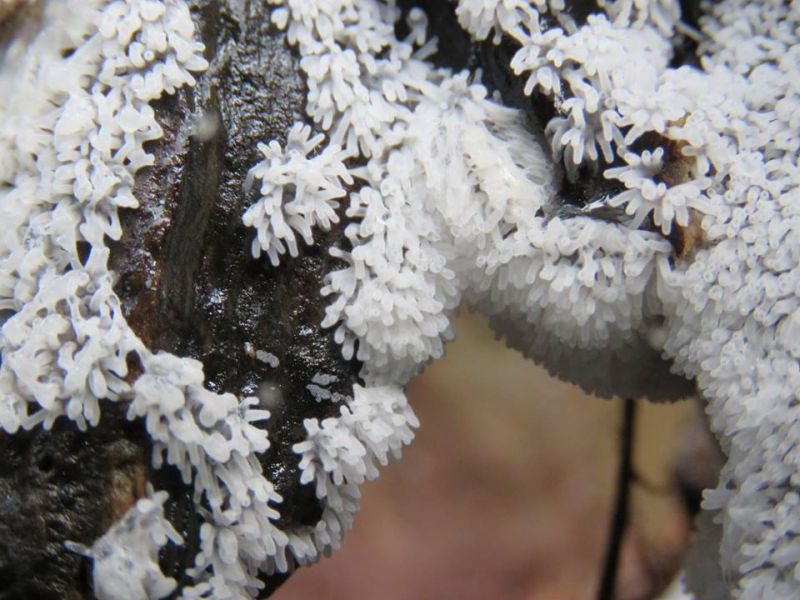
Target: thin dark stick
{"points": [[620, 516]]}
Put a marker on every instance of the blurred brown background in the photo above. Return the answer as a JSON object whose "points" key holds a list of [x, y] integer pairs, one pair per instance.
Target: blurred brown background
{"points": [[506, 492]]}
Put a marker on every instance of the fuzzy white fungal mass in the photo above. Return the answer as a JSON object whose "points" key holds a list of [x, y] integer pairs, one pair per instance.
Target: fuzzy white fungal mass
{"points": [[450, 199], [126, 556], [458, 203]]}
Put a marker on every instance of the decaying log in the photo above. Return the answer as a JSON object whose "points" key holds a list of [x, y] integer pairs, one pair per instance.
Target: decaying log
{"points": [[189, 285]]}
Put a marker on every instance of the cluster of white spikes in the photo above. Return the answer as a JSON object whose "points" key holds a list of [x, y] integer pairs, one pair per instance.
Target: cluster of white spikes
{"points": [[451, 200]]}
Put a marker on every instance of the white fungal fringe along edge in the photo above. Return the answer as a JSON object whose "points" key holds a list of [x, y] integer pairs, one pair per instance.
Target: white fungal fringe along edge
{"points": [[340, 453], [74, 115], [126, 556], [726, 313]]}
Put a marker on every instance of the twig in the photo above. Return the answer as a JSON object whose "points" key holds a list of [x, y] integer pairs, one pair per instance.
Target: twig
{"points": [[619, 520]]}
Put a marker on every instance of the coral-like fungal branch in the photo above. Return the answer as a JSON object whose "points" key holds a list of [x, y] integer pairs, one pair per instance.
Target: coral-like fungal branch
{"points": [[450, 197]]}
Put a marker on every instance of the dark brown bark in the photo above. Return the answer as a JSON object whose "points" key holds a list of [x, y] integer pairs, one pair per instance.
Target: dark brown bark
{"points": [[188, 280], [62, 485]]}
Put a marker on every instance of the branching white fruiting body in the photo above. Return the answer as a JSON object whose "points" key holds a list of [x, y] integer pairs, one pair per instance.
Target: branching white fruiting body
{"points": [[455, 201], [126, 556]]}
